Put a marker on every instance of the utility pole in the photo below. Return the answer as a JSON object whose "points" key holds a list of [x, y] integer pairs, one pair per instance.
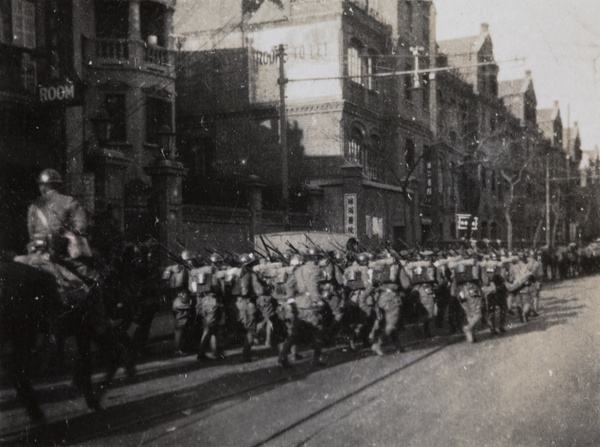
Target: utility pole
{"points": [[548, 197], [283, 143], [415, 51]]}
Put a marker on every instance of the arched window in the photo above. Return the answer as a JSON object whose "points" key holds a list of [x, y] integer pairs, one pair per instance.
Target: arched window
{"points": [[354, 151], [374, 158], [372, 82], [355, 69]]}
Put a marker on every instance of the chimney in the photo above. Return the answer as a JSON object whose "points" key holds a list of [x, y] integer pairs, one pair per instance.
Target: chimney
{"points": [[485, 28], [528, 73], [555, 104]]}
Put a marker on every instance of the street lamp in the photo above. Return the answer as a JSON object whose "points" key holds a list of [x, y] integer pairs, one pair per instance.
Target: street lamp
{"points": [[102, 123], [166, 140]]}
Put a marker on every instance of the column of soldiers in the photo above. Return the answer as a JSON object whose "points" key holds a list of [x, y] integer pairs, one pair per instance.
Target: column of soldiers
{"points": [[346, 296]]}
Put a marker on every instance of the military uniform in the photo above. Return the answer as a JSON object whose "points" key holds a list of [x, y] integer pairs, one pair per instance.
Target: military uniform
{"points": [[521, 288], [466, 287], [207, 284], [57, 220], [305, 310], [244, 288], [423, 281], [361, 303], [385, 274]]}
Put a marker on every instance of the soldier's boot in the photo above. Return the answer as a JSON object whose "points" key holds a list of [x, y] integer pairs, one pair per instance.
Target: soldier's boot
{"points": [[469, 334], [522, 317], [376, 348], [317, 360], [246, 356], [426, 330], [269, 334]]}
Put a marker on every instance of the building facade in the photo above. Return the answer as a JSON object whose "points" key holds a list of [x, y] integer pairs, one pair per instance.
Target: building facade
{"points": [[356, 134], [85, 88]]}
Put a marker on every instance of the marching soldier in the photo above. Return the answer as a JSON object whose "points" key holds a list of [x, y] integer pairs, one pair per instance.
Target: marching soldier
{"points": [[207, 284], [494, 292], [466, 287], [385, 275], [537, 270], [520, 278], [305, 307], [361, 304], [265, 303], [245, 287], [423, 282]]}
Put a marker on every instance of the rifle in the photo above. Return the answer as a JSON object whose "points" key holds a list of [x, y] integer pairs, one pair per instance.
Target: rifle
{"points": [[294, 249], [265, 245], [273, 248], [324, 253]]}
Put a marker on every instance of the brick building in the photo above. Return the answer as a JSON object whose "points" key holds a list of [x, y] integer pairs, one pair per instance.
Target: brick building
{"points": [[356, 137]]}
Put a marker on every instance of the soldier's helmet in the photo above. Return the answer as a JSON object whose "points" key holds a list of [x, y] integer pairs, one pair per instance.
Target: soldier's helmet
{"points": [[247, 259], [187, 255], [216, 258], [312, 253], [363, 259], [296, 260], [49, 177]]}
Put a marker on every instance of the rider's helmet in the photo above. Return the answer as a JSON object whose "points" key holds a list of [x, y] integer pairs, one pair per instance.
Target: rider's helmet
{"points": [[49, 177]]}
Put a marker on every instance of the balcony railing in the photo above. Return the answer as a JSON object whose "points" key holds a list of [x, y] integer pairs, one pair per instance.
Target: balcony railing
{"points": [[129, 53]]}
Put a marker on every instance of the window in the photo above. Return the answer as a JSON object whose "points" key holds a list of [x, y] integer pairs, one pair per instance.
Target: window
{"points": [[28, 73], [115, 106], [5, 20], [152, 17], [112, 20], [355, 149], [372, 82], [23, 23], [408, 82], [374, 165], [158, 112], [409, 154], [354, 64]]}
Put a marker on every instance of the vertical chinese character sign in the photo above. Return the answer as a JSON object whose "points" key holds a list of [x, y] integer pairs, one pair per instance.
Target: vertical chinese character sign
{"points": [[350, 214]]}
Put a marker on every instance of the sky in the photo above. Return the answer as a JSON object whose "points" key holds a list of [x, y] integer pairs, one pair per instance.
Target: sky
{"points": [[560, 41]]}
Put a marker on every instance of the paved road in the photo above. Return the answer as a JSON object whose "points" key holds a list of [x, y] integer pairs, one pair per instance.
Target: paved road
{"points": [[537, 385]]}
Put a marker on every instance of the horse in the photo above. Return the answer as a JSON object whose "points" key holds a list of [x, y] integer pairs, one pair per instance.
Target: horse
{"points": [[32, 302]]}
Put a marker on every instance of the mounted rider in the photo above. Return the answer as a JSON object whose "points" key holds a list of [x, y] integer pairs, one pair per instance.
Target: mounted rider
{"points": [[56, 222]]}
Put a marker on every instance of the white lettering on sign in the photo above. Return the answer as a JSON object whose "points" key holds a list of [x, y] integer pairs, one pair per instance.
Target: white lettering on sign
{"points": [[350, 214], [57, 93], [463, 222], [315, 52]]}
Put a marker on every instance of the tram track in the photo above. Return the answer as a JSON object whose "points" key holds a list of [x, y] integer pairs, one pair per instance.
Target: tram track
{"points": [[184, 403]]}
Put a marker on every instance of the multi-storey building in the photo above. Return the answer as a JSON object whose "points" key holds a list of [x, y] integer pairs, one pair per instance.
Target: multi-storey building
{"points": [[357, 133], [471, 122], [84, 88]]}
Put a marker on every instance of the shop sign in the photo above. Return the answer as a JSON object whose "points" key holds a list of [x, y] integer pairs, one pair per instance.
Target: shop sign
{"points": [[65, 93], [350, 214]]}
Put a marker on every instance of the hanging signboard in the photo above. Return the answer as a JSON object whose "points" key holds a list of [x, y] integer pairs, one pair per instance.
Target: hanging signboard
{"points": [[462, 221], [350, 214]]}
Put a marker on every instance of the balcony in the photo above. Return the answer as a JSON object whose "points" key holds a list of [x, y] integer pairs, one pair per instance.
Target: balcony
{"points": [[132, 54]]}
